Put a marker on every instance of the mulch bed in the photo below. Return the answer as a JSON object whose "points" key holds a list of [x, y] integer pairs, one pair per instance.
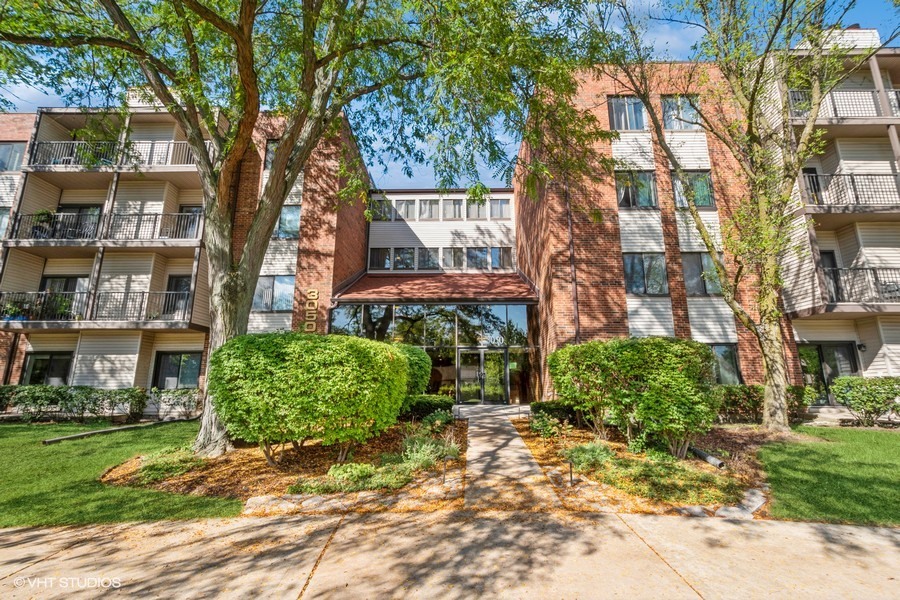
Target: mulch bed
{"points": [[737, 446], [244, 472]]}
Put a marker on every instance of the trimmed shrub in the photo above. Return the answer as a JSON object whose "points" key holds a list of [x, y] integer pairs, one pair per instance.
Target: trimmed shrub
{"points": [[740, 403], [799, 400], [39, 401], [78, 402], [7, 393], [438, 420], [867, 398], [582, 378], [183, 402], [544, 425], [275, 388], [554, 408], [419, 407], [419, 369]]}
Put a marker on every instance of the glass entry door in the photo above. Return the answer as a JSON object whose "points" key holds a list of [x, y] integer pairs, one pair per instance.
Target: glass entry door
{"points": [[482, 377], [822, 363]]}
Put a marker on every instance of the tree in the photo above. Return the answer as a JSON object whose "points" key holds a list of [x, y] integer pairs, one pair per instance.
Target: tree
{"points": [[458, 77], [737, 87]]}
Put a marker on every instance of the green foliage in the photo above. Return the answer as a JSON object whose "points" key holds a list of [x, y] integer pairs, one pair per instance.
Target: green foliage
{"points": [[741, 403], [547, 427], [582, 379], [7, 393], [37, 402], [352, 472], [419, 369], [554, 408], [419, 407], [868, 398], [588, 456], [274, 388], [167, 463], [184, 402], [670, 481], [437, 420]]}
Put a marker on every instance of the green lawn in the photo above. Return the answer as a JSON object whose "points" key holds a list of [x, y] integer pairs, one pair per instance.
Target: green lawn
{"points": [[853, 476], [58, 484]]}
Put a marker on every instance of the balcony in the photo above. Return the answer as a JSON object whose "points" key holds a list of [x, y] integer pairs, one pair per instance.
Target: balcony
{"points": [[123, 227], [43, 306], [863, 285], [110, 154], [840, 104], [57, 226], [108, 306], [853, 190], [154, 226]]}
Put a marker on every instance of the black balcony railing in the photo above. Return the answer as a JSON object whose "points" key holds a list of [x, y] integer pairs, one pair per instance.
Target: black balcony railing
{"points": [[846, 103], [863, 189], [43, 306], [142, 306], [863, 285], [150, 226], [93, 154], [57, 226]]}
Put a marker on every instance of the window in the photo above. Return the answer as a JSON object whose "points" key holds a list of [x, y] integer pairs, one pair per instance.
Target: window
{"points": [[11, 155], [700, 278], [429, 258], [476, 258], [177, 370], [47, 368], [381, 210], [288, 226], [274, 293], [380, 259], [678, 113], [404, 259], [636, 189], [501, 258], [476, 211], [499, 209], [429, 210], [271, 146], [726, 365], [645, 274], [4, 221], [406, 210], [453, 258], [453, 210], [626, 113], [699, 189]]}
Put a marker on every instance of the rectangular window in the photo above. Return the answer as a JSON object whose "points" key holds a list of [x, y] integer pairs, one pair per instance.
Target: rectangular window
{"points": [[176, 370], [696, 186], [380, 259], [700, 278], [47, 368], [406, 210], [453, 210], [4, 221], [636, 189], [499, 209], [271, 146], [404, 259], [429, 210], [382, 210], [11, 154], [645, 274], [679, 113], [274, 293], [476, 211], [453, 258], [476, 258], [429, 259], [501, 258], [726, 365], [626, 113], [288, 226]]}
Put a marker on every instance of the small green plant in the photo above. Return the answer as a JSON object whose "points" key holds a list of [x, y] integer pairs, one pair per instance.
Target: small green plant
{"points": [[167, 463], [419, 407], [437, 420], [867, 398], [588, 456], [352, 472], [545, 426]]}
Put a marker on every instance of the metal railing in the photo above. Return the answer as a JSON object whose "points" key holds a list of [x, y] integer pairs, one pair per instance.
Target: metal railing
{"points": [[95, 154], [57, 226], [863, 285], [846, 103], [868, 189], [154, 226], [160, 153], [142, 306], [43, 306]]}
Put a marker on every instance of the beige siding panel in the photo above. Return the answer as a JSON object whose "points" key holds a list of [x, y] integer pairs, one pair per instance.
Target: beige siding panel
{"points": [[68, 266], [152, 131], [690, 148], [848, 242], [890, 333], [170, 199], [261, 322], [180, 266], [874, 361], [8, 186], [641, 231], [126, 272], [865, 155], [22, 272], [38, 195], [801, 284], [830, 159], [53, 342], [635, 149], [281, 258], [51, 131], [880, 244], [107, 360], [689, 237], [158, 273], [200, 312], [437, 234], [141, 196], [649, 316], [177, 342], [83, 196], [824, 330], [143, 371], [828, 241], [711, 321], [188, 197]]}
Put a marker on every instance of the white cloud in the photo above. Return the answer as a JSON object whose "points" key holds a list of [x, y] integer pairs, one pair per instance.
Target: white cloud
{"points": [[28, 99]]}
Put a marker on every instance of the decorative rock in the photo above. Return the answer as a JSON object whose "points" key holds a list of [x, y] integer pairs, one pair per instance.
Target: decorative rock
{"points": [[734, 512], [258, 502], [753, 500], [692, 511]]}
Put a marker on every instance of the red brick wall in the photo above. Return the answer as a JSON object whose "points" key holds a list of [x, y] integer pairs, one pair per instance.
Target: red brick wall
{"points": [[16, 127]]}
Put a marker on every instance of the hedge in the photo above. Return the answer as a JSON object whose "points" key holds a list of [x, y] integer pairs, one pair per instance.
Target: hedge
{"points": [[554, 409], [74, 402], [419, 407], [419, 369], [744, 403], [868, 398], [275, 388]]}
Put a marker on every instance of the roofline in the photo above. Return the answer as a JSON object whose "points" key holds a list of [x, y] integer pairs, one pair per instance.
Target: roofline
{"points": [[432, 190]]}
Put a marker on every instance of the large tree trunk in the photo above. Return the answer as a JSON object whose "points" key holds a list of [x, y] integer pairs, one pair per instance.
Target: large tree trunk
{"points": [[771, 344]]}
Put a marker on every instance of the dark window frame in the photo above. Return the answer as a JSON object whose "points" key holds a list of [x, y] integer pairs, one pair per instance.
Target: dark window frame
{"points": [[11, 144], [291, 235], [703, 280], [29, 356], [737, 362], [158, 364], [631, 189], [681, 202], [644, 270], [271, 308], [681, 101]]}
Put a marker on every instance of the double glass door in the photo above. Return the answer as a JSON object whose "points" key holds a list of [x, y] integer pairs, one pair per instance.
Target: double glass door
{"points": [[821, 364], [482, 377]]}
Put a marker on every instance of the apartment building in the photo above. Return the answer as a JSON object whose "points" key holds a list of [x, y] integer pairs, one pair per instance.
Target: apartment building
{"points": [[843, 293]]}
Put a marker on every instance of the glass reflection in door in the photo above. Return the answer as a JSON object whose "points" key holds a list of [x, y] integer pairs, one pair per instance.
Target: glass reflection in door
{"points": [[470, 377]]}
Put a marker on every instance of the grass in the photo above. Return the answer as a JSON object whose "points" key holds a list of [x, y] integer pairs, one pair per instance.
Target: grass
{"points": [[853, 476], [59, 484]]}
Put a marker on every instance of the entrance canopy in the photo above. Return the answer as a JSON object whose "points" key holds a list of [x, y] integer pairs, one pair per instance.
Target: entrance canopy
{"points": [[439, 287]]}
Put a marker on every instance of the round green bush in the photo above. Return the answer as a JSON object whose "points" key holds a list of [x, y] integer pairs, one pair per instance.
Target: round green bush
{"points": [[272, 388], [867, 398], [419, 369]]}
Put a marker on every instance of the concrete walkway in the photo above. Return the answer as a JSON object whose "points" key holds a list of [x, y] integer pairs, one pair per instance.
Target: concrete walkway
{"points": [[454, 555], [501, 472]]}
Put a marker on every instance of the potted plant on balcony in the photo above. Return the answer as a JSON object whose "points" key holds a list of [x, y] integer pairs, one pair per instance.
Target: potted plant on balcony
{"points": [[41, 224]]}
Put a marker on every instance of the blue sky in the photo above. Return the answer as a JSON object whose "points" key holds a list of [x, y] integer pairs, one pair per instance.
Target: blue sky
{"points": [[676, 40]]}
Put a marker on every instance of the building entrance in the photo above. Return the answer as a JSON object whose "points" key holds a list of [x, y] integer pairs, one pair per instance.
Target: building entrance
{"points": [[483, 376]]}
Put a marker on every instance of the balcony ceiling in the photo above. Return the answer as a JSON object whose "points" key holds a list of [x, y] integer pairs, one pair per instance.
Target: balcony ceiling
{"points": [[828, 218], [862, 127], [75, 180], [184, 178]]}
